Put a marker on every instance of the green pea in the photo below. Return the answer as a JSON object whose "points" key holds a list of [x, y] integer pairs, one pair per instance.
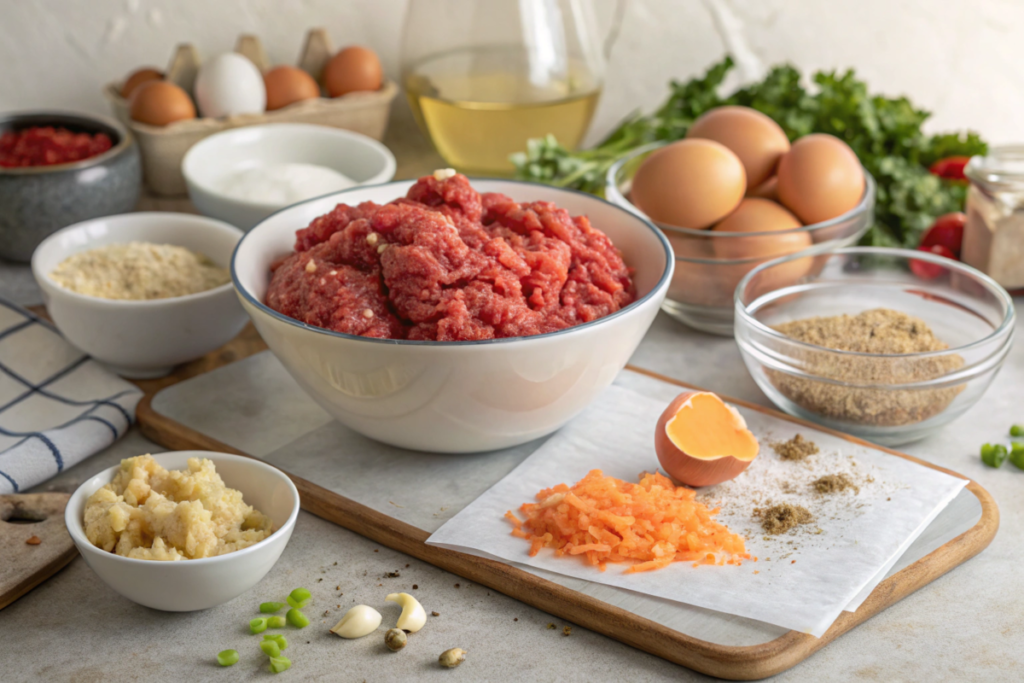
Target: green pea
{"points": [[281, 641], [993, 455], [270, 607], [227, 657], [258, 625], [299, 598], [1017, 430], [297, 618], [276, 622], [1017, 454], [270, 648], [279, 664]]}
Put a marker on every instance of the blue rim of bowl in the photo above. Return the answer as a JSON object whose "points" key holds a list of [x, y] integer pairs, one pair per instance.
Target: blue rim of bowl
{"points": [[865, 204], [389, 159], [291, 519], [909, 254], [127, 139], [662, 281]]}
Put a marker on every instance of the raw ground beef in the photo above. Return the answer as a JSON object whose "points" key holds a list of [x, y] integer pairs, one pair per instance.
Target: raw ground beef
{"points": [[446, 263]]}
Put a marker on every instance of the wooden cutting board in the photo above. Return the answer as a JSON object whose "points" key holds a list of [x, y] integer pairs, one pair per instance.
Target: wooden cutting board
{"points": [[738, 662], [26, 518]]}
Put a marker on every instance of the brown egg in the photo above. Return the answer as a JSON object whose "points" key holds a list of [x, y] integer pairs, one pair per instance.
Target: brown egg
{"points": [[287, 85], [137, 78], [769, 189], [689, 184], [352, 69], [755, 138], [159, 103], [761, 215], [820, 178]]}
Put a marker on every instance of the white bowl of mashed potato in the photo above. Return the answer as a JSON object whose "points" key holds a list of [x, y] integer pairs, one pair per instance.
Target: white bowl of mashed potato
{"points": [[186, 530], [142, 292]]}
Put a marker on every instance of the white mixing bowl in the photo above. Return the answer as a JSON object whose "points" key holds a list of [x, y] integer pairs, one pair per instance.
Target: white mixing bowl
{"points": [[356, 156], [457, 397], [188, 585], [147, 338]]}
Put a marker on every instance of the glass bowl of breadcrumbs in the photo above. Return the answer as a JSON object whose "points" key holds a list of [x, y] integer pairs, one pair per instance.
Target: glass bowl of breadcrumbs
{"points": [[889, 345]]}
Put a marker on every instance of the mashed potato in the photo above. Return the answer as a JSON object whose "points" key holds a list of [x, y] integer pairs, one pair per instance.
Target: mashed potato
{"points": [[150, 513]]}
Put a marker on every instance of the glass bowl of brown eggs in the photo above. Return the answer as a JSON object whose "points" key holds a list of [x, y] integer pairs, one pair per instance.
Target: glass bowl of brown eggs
{"points": [[728, 208]]}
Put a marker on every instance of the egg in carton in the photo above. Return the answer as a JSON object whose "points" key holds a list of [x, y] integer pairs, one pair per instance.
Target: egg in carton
{"points": [[164, 147]]}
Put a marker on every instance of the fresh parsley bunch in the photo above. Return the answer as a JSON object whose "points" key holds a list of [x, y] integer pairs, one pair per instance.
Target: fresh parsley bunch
{"points": [[884, 132]]}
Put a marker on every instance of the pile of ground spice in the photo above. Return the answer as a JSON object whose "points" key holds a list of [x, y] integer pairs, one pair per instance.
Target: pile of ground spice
{"points": [[880, 332], [834, 483], [797, 448], [778, 519]]}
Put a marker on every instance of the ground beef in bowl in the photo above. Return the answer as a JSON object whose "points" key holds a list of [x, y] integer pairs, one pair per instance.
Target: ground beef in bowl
{"points": [[446, 263]]}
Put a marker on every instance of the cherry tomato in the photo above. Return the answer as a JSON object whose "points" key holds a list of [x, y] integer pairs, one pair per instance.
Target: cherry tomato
{"points": [[930, 271], [950, 168], [947, 230]]}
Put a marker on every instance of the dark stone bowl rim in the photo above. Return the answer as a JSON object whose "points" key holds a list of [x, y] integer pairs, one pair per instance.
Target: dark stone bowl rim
{"points": [[77, 119]]}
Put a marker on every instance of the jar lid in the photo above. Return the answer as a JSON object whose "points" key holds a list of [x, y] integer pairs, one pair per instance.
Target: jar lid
{"points": [[1002, 169]]}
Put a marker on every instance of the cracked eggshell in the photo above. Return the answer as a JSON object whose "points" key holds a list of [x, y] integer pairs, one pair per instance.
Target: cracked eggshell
{"points": [[707, 470]]}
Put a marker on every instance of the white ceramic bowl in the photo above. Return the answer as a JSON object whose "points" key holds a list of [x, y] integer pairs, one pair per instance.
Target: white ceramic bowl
{"points": [[457, 397], [189, 585], [143, 338], [359, 157]]}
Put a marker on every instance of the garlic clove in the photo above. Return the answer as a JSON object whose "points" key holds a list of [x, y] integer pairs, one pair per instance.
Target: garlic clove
{"points": [[413, 616], [361, 620]]}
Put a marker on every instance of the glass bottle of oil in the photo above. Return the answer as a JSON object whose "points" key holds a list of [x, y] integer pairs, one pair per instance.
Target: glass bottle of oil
{"points": [[485, 76]]}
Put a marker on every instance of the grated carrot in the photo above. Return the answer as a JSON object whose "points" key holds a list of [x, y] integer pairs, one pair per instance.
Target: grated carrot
{"points": [[652, 524]]}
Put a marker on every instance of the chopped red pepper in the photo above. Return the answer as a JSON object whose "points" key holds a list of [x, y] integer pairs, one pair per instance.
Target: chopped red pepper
{"points": [[950, 168], [46, 146]]}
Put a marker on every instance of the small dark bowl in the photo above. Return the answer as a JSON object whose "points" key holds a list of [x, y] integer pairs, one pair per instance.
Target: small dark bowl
{"points": [[37, 201]]}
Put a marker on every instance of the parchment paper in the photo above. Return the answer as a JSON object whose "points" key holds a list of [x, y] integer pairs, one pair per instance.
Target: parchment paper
{"points": [[814, 572]]}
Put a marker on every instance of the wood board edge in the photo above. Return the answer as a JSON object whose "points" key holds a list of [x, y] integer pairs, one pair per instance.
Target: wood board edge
{"points": [[731, 662]]}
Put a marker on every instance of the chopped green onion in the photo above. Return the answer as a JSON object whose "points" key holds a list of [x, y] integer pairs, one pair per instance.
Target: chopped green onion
{"points": [[279, 664], [1017, 454], [258, 625], [281, 641], [227, 657], [270, 648], [270, 607], [297, 618], [299, 598], [993, 455], [276, 621], [1017, 430]]}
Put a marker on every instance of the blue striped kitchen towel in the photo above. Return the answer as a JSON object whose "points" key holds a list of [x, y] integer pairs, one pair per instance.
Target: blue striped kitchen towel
{"points": [[57, 406]]}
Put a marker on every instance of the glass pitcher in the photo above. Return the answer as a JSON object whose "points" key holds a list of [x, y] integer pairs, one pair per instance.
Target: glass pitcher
{"points": [[484, 76]]}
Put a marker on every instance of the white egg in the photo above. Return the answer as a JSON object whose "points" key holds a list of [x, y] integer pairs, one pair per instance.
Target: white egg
{"points": [[228, 85]]}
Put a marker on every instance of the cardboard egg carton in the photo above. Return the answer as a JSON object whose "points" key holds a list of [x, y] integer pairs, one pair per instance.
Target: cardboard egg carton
{"points": [[164, 147]]}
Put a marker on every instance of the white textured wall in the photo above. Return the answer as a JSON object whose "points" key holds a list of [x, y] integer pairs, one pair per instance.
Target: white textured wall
{"points": [[963, 59]]}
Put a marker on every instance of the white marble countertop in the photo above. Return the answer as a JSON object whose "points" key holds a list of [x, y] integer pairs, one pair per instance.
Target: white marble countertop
{"points": [[966, 625]]}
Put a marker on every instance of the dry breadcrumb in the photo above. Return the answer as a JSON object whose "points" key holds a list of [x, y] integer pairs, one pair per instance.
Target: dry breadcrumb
{"points": [[882, 332], [139, 271]]}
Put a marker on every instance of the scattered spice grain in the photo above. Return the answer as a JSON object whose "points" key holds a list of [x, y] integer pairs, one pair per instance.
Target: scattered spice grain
{"points": [[551, 627], [567, 631], [834, 483], [797, 448], [778, 519], [879, 332], [415, 586], [34, 540], [435, 614]]}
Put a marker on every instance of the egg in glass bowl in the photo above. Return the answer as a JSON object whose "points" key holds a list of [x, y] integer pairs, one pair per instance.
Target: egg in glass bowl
{"points": [[728, 205]]}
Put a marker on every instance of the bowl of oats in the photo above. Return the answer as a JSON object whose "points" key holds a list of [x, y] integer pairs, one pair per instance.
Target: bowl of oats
{"points": [[889, 345], [142, 292]]}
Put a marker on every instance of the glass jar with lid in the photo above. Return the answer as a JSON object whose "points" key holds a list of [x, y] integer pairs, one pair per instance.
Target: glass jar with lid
{"points": [[994, 234]]}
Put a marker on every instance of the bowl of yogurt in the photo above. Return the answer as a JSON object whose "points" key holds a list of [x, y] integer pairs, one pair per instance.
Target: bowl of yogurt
{"points": [[243, 175]]}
